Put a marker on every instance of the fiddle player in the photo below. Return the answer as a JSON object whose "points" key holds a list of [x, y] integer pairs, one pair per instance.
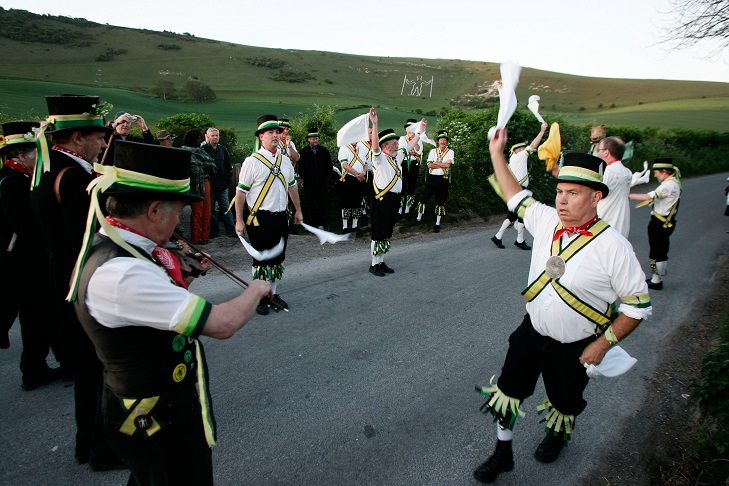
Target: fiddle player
{"points": [[135, 306]]}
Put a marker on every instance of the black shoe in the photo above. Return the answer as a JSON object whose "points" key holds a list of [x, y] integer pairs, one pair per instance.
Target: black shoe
{"points": [[33, 381], [358, 232], [262, 307], [383, 266], [375, 270], [414, 222], [549, 449], [497, 242], [364, 220], [436, 228], [501, 460], [523, 245], [654, 286], [278, 300]]}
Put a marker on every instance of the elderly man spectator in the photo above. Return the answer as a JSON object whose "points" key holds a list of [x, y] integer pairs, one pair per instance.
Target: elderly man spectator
{"points": [[164, 138], [219, 184], [317, 171], [122, 125]]}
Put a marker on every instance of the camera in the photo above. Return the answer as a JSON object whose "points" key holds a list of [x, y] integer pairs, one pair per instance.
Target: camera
{"points": [[134, 118]]}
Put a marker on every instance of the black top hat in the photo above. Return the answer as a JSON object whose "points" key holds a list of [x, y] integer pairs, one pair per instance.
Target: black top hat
{"points": [[284, 122], [18, 134], [75, 112], [171, 167], [410, 122], [442, 134], [387, 134], [312, 132], [267, 122], [584, 169]]}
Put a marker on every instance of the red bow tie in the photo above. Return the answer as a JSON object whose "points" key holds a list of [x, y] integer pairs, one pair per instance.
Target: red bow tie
{"points": [[580, 230]]}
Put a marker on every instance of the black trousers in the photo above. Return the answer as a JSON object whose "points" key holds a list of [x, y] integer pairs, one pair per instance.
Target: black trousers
{"points": [[271, 228], [409, 178], [531, 354], [435, 185], [384, 214], [659, 239], [177, 454]]}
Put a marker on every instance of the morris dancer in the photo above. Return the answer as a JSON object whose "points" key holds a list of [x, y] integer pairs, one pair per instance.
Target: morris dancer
{"points": [[387, 183], [440, 160], [579, 266], [410, 167], [615, 208], [518, 165], [355, 159], [665, 200], [266, 181]]}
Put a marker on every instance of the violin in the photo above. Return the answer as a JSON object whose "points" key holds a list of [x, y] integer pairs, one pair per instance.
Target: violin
{"points": [[189, 259]]}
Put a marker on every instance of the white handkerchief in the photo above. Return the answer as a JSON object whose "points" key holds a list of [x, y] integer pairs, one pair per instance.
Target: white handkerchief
{"points": [[326, 236], [534, 107], [354, 130], [641, 177], [507, 94], [336, 169], [616, 362], [265, 254], [417, 127]]}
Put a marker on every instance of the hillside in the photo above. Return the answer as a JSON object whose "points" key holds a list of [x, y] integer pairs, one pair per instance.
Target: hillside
{"points": [[156, 65]]}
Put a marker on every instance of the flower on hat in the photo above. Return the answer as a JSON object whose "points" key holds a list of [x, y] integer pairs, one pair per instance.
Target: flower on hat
{"points": [[102, 109]]}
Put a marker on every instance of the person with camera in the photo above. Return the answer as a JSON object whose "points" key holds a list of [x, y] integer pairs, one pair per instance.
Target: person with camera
{"points": [[122, 125]]}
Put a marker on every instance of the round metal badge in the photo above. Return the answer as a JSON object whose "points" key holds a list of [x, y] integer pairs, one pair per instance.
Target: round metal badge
{"points": [[555, 266]]}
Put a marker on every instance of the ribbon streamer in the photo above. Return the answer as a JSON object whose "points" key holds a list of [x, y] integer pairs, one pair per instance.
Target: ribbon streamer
{"points": [[641, 177]]}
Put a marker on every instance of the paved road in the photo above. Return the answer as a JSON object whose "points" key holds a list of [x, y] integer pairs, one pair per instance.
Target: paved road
{"points": [[371, 380]]}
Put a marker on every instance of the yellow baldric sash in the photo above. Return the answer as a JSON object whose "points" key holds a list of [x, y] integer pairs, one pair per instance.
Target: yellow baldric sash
{"points": [[409, 157], [357, 158], [275, 174], [379, 194], [666, 220], [439, 158], [601, 319]]}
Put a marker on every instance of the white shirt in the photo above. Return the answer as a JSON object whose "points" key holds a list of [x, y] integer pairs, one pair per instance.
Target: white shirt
{"points": [[518, 165], [433, 157], [665, 196], [603, 271], [385, 172], [346, 156], [615, 209], [128, 291], [253, 175], [402, 143]]}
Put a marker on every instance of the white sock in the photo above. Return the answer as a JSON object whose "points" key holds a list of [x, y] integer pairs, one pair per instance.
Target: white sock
{"points": [[504, 434], [344, 224], [420, 216], [407, 209], [354, 222], [504, 226], [437, 220], [380, 259], [274, 287], [372, 252], [519, 232]]}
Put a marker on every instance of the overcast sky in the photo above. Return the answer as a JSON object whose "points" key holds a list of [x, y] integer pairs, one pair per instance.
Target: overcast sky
{"points": [[614, 38]]}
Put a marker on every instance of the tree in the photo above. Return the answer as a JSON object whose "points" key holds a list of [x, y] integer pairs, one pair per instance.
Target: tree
{"points": [[198, 91], [699, 20], [164, 88]]}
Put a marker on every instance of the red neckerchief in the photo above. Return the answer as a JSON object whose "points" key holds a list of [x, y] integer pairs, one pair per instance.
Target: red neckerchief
{"points": [[67, 151], [612, 161], [581, 230], [17, 166], [163, 256]]}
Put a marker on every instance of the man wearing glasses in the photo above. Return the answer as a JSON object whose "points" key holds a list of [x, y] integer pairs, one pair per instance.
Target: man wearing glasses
{"points": [[615, 208]]}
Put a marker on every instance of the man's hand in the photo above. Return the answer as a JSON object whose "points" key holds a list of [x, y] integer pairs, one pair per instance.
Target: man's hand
{"points": [[373, 115], [142, 124], [424, 125], [240, 228], [595, 352], [498, 143], [298, 217], [260, 288], [360, 176], [545, 125]]}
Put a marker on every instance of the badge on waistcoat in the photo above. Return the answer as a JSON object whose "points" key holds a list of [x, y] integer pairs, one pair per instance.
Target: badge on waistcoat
{"points": [[555, 266]]}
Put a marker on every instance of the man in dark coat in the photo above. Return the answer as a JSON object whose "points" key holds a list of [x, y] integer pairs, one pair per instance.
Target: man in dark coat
{"points": [[219, 184], [25, 281], [61, 203], [316, 169], [122, 125]]}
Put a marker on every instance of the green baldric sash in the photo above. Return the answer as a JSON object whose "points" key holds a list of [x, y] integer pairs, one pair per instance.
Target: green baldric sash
{"points": [[275, 174], [667, 220], [379, 194], [601, 319]]}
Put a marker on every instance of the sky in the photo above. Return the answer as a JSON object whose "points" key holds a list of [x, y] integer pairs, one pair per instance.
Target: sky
{"points": [[607, 39]]}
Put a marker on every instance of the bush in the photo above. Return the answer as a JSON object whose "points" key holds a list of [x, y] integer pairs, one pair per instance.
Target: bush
{"points": [[198, 92]]}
